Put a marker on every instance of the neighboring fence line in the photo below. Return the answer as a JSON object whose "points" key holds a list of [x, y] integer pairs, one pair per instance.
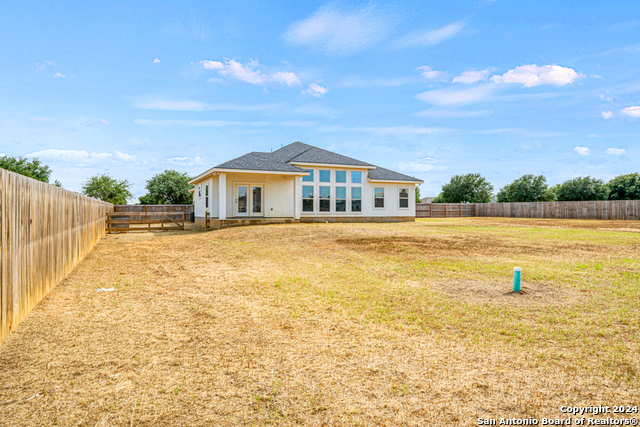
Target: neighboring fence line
{"points": [[44, 232], [605, 209], [187, 209], [444, 210]]}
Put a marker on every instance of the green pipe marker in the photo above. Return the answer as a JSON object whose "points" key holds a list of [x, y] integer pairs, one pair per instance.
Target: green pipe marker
{"points": [[516, 278]]}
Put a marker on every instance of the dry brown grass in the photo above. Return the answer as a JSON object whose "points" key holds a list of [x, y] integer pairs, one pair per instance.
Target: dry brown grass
{"points": [[334, 324]]}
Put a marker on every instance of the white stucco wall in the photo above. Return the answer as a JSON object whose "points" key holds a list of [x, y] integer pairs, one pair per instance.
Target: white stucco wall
{"points": [[278, 196], [391, 196]]}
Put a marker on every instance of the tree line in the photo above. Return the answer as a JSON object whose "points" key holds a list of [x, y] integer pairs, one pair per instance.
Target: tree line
{"points": [[169, 187], [474, 188]]}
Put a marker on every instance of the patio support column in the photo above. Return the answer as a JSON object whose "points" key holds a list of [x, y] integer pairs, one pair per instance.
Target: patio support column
{"points": [[297, 197], [222, 196]]}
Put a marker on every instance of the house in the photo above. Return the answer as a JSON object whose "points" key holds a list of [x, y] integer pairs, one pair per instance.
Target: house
{"points": [[300, 182]]}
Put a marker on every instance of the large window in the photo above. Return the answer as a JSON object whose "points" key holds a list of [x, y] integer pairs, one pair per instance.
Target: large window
{"points": [[307, 198], [325, 199], [403, 194], [341, 176], [341, 199], [378, 197], [308, 178], [356, 199], [206, 196], [356, 177], [325, 176]]}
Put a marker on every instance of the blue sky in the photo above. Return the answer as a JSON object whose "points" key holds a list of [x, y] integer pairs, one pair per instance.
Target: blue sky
{"points": [[431, 89]]}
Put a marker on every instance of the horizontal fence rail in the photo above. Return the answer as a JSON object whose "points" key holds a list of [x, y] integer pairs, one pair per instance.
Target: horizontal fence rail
{"points": [[604, 209], [123, 222], [45, 231]]}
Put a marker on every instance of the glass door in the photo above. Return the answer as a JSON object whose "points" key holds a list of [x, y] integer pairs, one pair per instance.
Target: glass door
{"points": [[242, 200], [256, 200]]}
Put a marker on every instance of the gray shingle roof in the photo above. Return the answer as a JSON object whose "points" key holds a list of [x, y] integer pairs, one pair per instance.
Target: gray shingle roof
{"points": [[279, 161], [386, 174], [258, 161]]}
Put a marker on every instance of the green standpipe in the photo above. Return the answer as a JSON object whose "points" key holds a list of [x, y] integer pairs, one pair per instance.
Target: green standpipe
{"points": [[516, 278]]}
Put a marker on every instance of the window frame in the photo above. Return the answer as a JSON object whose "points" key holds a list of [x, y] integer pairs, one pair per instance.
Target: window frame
{"points": [[320, 175], [335, 204], [320, 198], [206, 196], [383, 197], [345, 177], [199, 191], [400, 198], [351, 178], [311, 175]]}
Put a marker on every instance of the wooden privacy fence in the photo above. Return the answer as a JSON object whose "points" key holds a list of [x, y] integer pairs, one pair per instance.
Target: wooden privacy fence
{"points": [[123, 222], [444, 210], [187, 209], [44, 232], [605, 209]]}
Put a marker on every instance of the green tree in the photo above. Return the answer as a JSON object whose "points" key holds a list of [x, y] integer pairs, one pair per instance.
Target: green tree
{"points": [[625, 187], [469, 188], [107, 189], [527, 188], [582, 188], [418, 198], [33, 169], [169, 187]]}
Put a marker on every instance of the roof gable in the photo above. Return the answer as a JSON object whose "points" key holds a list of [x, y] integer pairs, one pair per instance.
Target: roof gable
{"points": [[387, 174], [258, 161]]}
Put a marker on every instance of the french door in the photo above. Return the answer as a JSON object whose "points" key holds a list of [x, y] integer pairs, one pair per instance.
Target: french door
{"points": [[249, 200]]}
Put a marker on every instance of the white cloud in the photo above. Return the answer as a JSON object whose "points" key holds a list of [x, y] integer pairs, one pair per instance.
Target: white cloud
{"points": [[187, 161], [250, 73], [414, 166], [195, 123], [2, 154], [80, 156], [583, 151], [606, 115], [340, 31], [536, 75], [101, 122], [454, 96], [472, 76], [387, 130], [432, 37], [45, 64], [633, 111], [450, 114], [605, 98], [59, 75], [153, 103], [429, 73], [615, 151], [315, 90], [156, 61]]}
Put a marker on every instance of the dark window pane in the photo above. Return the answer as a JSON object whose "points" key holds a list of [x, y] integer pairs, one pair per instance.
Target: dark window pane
{"points": [[356, 177], [308, 178], [325, 192], [325, 176], [379, 203], [356, 193], [325, 205], [257, 199], [307, 192], [341, 176], [356, 206], [404, 203], [307, 205], [404, 192], [341, 192], [341, 205]]}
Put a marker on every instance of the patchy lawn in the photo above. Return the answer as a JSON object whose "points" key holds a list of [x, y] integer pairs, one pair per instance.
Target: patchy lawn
{"points": [[405, 324]]}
